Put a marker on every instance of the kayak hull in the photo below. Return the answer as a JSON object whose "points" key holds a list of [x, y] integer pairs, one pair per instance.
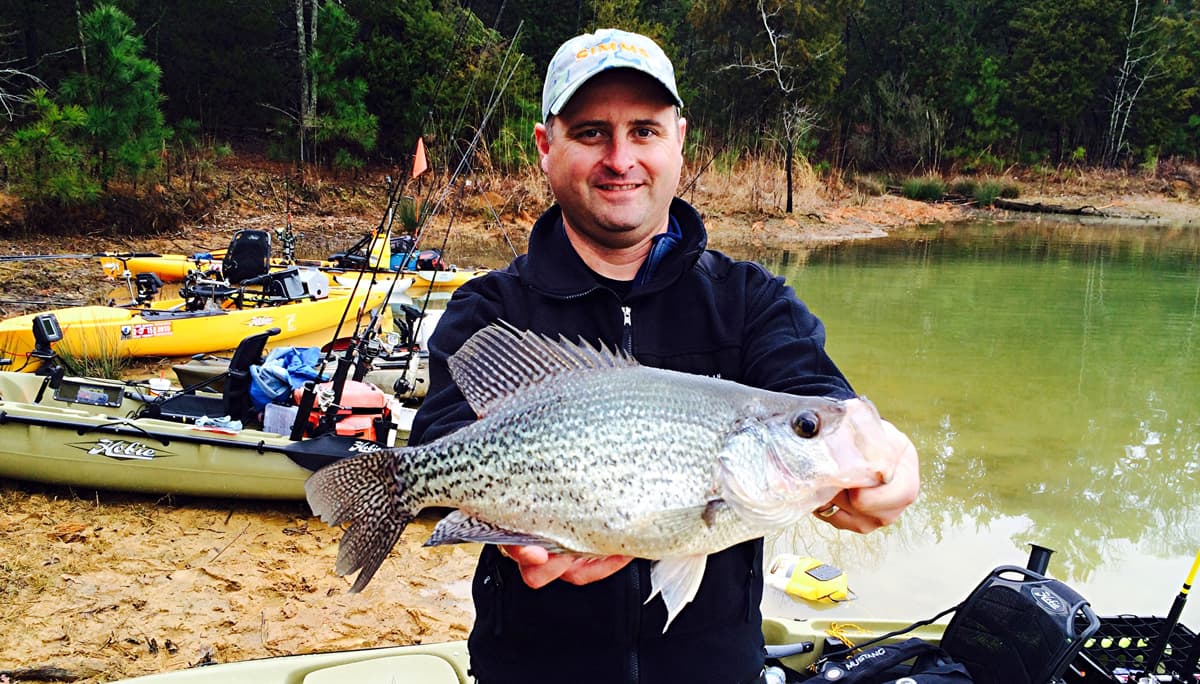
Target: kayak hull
{"points": [[118, 332], [88, 440]]}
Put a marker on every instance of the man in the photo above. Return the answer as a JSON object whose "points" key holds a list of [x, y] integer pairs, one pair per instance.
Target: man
{"points": [[620, 260]]}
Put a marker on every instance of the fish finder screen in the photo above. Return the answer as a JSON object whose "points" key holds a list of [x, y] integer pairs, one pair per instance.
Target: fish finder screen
{"points": [[48, 329]]}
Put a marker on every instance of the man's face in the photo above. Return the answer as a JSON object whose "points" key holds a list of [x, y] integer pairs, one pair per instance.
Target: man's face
{"points": [[613, 158]]}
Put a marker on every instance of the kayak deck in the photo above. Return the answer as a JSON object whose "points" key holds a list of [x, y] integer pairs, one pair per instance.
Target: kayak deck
{"points": [[447, 663]]}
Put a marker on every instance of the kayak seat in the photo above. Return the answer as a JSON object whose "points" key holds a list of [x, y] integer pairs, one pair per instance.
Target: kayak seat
{"points": [[248, 256], [234, 401], [278, 286]]}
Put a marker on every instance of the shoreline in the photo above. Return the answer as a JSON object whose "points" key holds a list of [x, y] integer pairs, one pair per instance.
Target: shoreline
{"points": [[106, 585]]}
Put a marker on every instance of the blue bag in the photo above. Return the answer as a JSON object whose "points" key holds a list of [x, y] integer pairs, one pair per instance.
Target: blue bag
{"points": [[285, 369]]}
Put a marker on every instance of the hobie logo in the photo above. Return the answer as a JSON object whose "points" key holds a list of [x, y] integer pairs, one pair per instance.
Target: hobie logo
{"points": [[362, 447], [121, 450], [1050, 601]]}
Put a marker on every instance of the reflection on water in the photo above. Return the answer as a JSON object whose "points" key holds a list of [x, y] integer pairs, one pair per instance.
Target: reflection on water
{"points": [[1049, 375]]}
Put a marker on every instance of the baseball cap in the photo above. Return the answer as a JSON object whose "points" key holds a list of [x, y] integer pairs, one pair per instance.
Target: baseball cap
{"points": [[582, 57]]}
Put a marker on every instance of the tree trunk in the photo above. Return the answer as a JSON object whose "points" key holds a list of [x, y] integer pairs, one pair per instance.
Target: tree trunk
{"points": [[82, 44], [311, 113], [302, 56], [788, 166], [1040, 208]]}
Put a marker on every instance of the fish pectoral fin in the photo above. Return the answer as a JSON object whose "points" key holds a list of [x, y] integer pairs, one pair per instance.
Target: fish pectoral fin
{"points": [[676, 522], [460, 528], [678, 580], [753, 505]]}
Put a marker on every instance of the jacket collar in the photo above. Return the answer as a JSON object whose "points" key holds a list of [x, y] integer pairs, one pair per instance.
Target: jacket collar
{"points": [[553, 267]]}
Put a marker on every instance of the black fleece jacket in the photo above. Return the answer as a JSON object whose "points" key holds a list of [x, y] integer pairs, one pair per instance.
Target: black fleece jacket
{"points": [[699, 312]]}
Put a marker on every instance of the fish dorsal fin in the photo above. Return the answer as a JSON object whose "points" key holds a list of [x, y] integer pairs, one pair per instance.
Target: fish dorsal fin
{"points": [[500, 360]]}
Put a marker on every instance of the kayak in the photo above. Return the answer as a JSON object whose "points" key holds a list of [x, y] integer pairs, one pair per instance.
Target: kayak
{"points": [[169, 328], [87, 433], [170, 268], [173, 268], [404, 370], [411, 370], [447, 663], [442, 281]]}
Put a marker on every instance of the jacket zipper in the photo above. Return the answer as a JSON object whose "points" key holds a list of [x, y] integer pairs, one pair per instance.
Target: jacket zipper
{"points": [[635, 586], [635, 577], [627, 330]]}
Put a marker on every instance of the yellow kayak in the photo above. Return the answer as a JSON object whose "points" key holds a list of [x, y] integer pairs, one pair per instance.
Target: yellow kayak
{"points": [[170, 268], [173, 268], [166, 328]]}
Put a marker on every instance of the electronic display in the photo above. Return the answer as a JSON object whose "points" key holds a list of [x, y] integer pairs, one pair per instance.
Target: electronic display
{"points": [[46, 328]]}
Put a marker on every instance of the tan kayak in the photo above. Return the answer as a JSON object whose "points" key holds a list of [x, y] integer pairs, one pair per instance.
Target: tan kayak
{"points": [[447, 663], [80, 434]]}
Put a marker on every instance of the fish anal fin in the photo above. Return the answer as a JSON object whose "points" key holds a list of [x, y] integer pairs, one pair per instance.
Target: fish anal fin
{"points": [[459, 528], [677, 580]]}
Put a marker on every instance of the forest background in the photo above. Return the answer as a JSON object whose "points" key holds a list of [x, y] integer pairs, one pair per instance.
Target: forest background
{"points": [[139, 98]]}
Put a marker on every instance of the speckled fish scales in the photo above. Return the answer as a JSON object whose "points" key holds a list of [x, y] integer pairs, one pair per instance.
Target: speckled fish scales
{"points": [[584, 450]]}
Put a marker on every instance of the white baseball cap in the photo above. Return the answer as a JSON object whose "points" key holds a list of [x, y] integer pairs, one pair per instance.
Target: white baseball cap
{"points": [[582, 57]]}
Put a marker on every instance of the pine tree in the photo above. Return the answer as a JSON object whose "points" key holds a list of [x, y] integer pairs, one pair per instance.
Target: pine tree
{"points": [[119, 92]]}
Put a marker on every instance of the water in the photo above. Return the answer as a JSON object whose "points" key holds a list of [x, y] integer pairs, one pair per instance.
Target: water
{"points": [[1049, 376]]}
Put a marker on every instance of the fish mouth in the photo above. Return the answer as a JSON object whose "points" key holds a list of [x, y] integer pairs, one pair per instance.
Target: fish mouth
{"points": [[859, 447]]}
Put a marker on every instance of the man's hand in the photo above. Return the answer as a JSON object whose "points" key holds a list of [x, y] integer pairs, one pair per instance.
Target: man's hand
{"points": [[539, 567], [863, 510]]}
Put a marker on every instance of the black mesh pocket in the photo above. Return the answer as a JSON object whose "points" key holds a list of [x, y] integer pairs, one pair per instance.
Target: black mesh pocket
{"points": [[1019, 627], [1125, 644]]}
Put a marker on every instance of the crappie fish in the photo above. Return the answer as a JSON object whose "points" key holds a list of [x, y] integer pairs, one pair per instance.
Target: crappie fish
{"points": [[583, 450]]}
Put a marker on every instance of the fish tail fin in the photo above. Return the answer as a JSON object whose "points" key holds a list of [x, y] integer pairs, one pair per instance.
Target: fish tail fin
{"points": [[366, 492], [678, 580]]}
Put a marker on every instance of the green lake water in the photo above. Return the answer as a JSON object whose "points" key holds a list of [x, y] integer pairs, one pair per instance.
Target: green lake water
{"points": [[1049, 375]]}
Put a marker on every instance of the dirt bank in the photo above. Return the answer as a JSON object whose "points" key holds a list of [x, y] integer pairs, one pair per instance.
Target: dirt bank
{"points": [[102, 585]]}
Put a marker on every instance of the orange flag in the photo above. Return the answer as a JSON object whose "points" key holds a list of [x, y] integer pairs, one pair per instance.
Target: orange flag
{"points": [[420, 165]]}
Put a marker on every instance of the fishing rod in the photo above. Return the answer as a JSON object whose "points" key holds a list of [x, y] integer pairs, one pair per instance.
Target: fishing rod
{"points": [[462, 167], [358, 341], [1159, 647], [384, 228], [308, 397], [97, 255]]}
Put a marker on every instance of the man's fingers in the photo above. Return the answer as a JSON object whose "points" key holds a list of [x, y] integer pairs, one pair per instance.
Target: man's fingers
{"points": [[539, 567], [586, 570], [540, 574]]}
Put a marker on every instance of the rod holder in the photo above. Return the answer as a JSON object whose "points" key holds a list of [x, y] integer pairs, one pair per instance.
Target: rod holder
{"points": [[1039, 558]]}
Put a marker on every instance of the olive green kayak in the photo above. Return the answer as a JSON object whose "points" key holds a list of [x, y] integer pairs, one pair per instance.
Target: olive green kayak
{"points": [[447, 663], [94, 433]]}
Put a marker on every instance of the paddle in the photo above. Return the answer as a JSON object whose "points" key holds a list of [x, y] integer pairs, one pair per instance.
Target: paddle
{"points": [[1159, 649], [98, 255]]}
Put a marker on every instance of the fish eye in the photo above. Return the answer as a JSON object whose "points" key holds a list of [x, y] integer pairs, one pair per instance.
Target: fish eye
{"points": [[806, 424]]}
